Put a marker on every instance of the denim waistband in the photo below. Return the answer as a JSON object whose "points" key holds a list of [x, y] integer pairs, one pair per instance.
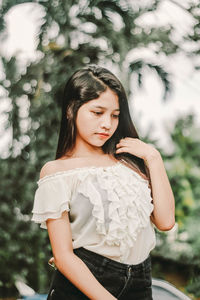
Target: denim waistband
{"points": [[100, 259]]}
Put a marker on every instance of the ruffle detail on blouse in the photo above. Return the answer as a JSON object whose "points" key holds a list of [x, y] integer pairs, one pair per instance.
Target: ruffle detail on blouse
{"points": [[54, 192], [88, 189], [51, 200], [129, 205], [128, 198], [41, 218]]}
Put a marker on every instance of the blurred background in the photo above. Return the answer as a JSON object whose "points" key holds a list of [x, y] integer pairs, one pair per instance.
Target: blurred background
{"points": [[153, 47]]}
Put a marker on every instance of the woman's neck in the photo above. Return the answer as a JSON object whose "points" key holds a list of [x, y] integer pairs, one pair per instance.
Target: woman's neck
{"points": [[81, 150]]}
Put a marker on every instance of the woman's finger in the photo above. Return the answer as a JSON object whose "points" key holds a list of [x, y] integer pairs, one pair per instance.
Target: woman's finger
{"points": [[121, 143], [122, 149]]}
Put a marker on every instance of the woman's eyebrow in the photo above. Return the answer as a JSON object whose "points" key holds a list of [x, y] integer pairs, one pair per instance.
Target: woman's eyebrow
{"points": [[102, 107]]}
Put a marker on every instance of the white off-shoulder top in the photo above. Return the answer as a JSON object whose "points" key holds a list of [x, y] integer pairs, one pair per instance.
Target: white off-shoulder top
{"points": [[109, 210]]}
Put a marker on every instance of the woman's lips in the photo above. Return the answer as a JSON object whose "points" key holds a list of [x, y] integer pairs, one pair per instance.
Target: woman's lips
{"points": [[103, 135]]}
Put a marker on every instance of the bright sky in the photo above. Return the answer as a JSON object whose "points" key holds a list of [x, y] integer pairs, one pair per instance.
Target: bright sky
{"points": [[146, 106], [184, 99]]}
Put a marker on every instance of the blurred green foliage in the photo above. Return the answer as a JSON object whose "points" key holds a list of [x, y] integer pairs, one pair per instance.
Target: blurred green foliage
{"points": [[181, 245], [86, 32]]}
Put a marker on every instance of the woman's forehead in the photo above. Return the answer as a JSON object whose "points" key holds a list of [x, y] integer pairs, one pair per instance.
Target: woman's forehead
{"points": [[106, 100]]}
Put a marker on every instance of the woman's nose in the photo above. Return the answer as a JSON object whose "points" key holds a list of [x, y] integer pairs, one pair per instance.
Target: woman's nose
{"points": [[106, 122]]}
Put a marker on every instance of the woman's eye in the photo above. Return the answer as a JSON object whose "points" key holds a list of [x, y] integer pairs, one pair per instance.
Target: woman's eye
{"points": [[97, 112]]}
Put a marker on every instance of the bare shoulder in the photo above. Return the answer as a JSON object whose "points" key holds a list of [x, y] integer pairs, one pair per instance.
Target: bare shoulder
{"points": [[49, 168], [60, 165]]}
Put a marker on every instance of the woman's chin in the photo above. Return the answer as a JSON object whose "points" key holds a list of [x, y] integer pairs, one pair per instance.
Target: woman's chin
{"points": [[97, 144]]}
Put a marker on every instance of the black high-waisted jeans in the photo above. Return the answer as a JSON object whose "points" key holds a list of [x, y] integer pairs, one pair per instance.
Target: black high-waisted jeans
{"points": [[125, 282]]}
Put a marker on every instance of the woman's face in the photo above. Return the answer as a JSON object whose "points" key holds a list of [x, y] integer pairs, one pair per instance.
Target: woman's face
{"points": [[98, 119]]}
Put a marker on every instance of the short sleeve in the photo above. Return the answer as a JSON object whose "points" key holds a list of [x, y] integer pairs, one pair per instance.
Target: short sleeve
{"points": [[51, 199]]}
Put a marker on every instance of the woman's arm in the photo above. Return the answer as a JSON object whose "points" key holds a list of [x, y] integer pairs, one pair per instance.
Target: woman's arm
{"points": [[163, 198], [69, 264]]}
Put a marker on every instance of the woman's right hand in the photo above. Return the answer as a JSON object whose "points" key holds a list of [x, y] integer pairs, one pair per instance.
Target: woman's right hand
{"points": [[51, 262]]}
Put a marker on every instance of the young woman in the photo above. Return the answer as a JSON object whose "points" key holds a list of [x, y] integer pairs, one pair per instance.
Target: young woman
{"points": [[101, 195]]}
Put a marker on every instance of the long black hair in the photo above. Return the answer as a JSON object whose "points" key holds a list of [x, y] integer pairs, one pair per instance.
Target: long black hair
{"points": [[87, 84]]}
